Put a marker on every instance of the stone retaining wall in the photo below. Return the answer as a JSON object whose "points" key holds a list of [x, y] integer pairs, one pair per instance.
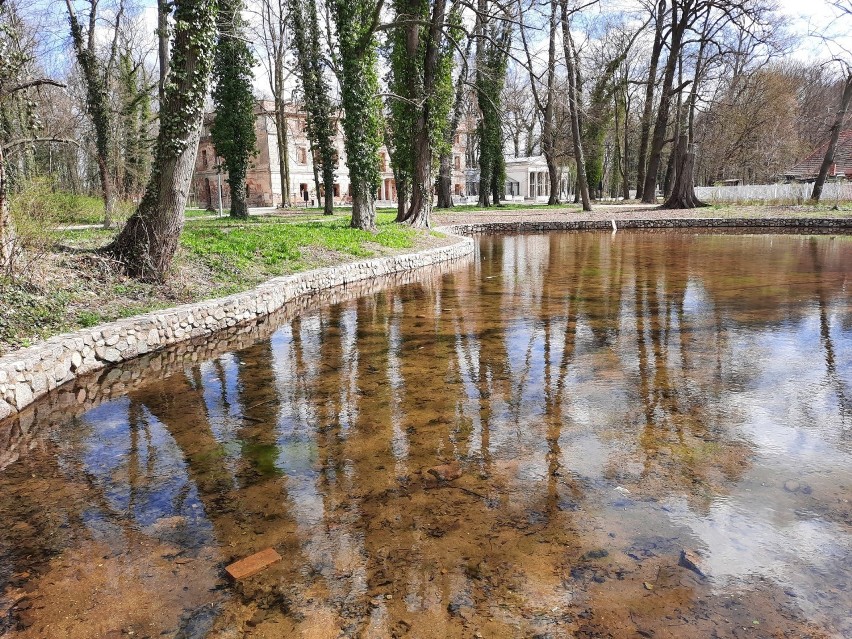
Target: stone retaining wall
{"points": [[30, 373], [778, 224], [26, 429]]}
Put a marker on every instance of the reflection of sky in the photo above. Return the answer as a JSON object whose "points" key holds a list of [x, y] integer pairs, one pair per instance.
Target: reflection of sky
{"points": [[149, 484], [743, 537]]}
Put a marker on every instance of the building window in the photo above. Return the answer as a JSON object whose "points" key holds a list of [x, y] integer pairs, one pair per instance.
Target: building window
{"points": [[457, 162], [204, 158], [383, 162], [302, 155]]}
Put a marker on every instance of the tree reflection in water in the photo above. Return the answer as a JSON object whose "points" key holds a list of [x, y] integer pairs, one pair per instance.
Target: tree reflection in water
{"points": [[611, 400]]}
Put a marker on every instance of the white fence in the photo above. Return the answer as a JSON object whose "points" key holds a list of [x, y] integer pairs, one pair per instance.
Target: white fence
{"points": [[774, 193]]}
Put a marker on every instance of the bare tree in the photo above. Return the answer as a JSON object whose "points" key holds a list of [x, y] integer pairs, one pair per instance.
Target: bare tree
{"points": [[96, 75], [545, 103], [274, 19], [845, 7], [572, 64]]}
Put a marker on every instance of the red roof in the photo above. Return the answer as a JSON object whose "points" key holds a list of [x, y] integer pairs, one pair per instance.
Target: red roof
{"points": [[809, 167]]}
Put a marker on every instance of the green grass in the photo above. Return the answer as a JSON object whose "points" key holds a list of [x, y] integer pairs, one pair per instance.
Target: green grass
{"points": [[231, 247]]}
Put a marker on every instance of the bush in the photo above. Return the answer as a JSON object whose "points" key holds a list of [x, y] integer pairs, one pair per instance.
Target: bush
{"points": [[39, 202]]}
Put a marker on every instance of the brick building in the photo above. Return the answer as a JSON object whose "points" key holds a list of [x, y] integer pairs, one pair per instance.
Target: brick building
{"points": [[263, 181]]}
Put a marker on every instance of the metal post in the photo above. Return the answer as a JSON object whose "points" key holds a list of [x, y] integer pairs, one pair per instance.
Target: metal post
{"points": [[219, 181], [838, 178]]}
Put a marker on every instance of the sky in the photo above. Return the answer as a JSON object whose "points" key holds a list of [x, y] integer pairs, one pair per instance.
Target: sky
{"points": [[821, 34]]}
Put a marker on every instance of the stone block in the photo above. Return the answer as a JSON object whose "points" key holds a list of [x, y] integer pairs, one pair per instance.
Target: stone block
{"points": [[23, 395]]}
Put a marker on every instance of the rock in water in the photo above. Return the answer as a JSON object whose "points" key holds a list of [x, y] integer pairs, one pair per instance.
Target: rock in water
{"points": [[691, 560], [446, 472]]}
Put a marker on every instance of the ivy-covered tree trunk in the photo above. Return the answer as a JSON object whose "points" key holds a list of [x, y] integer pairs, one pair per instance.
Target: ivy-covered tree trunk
{"points": [[7, 226], [356, 22], [233, 130], [445, 180], [427, 86], [491, 61], [96, 76], [147, 243], [320, 116], [134, 154]]}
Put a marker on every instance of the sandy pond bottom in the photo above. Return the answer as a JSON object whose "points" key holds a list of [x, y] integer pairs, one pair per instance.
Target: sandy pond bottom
{"points": [[611, 402]]}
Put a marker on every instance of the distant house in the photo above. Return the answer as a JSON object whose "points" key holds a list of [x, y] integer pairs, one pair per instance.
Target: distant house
{"points": [[527, 180], [808, 169]]}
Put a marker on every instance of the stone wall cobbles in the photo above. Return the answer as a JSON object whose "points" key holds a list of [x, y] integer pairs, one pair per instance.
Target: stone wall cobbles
{"points": [[30, 373], [778, 224]]}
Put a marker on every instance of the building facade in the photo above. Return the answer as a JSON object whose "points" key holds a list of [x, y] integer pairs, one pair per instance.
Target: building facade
{"points": [[263, 180]]}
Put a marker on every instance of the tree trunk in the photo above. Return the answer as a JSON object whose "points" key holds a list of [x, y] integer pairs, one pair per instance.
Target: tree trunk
{"points": [[648, 108], [283, 156], [96, 79], [147, 243], [363, 208], [668, 182], [328, 188], [574, 111], [649, 193], [445, 181], [445, 175], [422, 180], [7, 227], [548, 134], [401, 200], [163, 10], [484, 187], [683, 191], [107, 191], [239, 207], [828, 160]]}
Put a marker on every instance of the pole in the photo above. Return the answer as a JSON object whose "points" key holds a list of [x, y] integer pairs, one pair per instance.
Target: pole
{"points": [[219, 181]]}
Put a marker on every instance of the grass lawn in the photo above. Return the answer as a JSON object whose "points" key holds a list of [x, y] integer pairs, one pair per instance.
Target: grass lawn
{"points": [[70, 286]]}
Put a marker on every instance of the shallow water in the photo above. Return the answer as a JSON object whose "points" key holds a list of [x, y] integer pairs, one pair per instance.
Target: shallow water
{"points": [[611, 400]]}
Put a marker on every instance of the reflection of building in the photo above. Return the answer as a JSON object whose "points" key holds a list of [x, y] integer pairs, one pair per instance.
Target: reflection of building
{"points": [[263, 183], [808, 169]]}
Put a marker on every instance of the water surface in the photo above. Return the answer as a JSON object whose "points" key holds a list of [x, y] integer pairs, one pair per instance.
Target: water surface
{"points": [[611, 400]]}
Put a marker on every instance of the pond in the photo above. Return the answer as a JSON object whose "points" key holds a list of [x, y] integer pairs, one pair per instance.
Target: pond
{"points": [[639, 434]]}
